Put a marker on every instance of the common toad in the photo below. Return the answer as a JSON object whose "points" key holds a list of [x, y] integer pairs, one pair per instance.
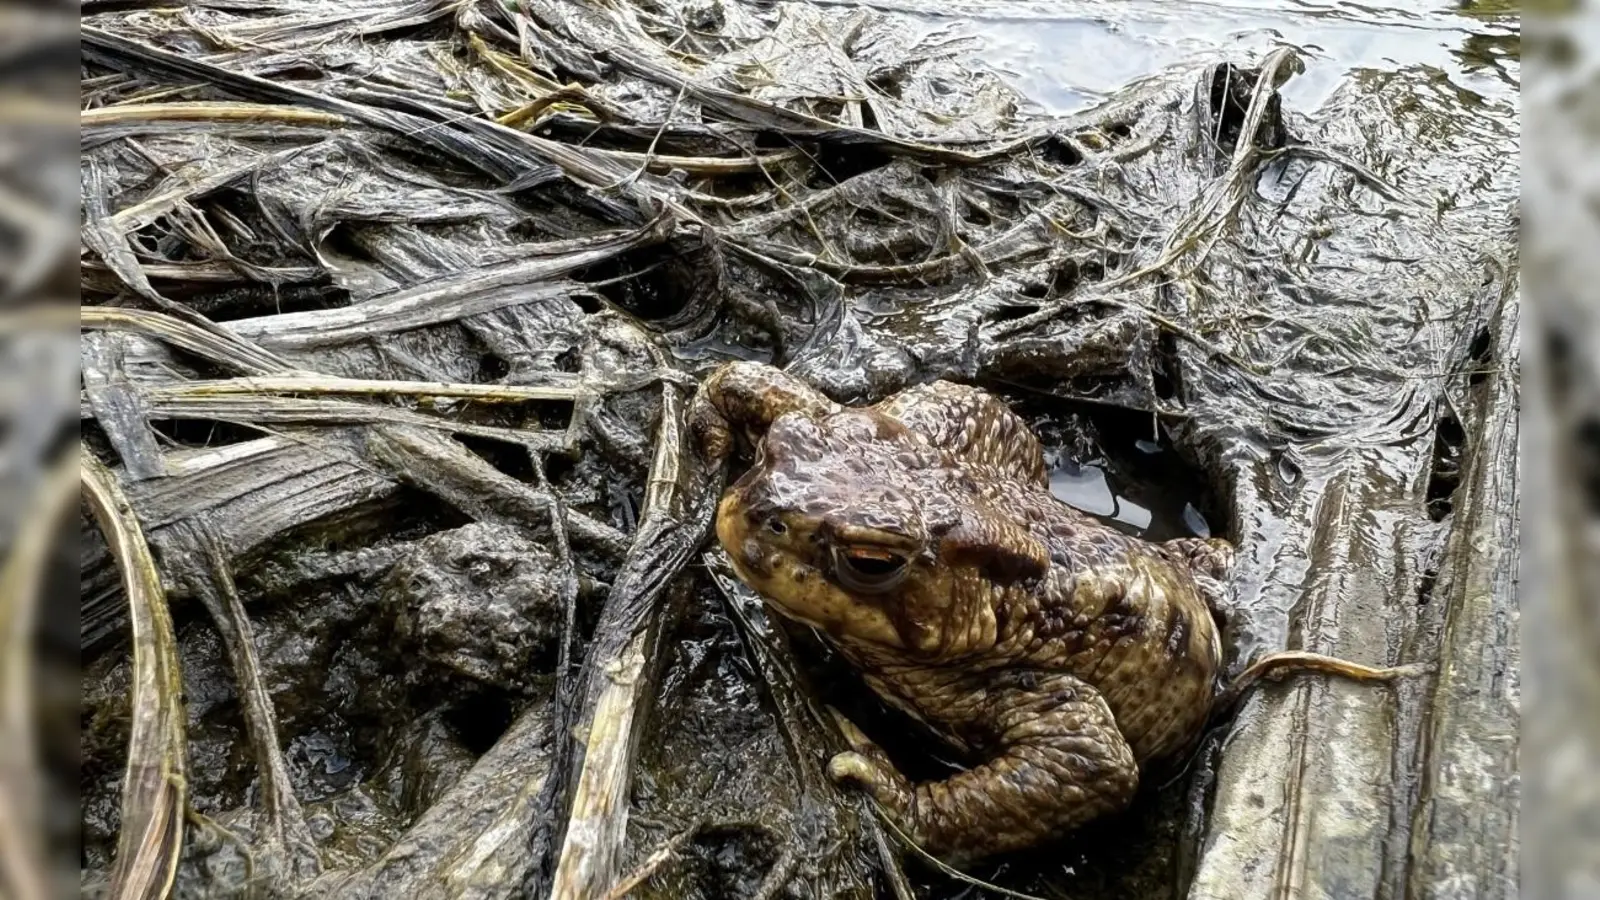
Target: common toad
{"points": [[920, 536]]}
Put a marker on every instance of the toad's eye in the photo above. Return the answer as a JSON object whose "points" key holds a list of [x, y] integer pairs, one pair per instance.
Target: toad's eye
{"points": [[869, 570], [776, 526]]}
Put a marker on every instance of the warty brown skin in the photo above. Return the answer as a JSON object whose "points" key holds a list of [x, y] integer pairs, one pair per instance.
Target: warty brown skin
{"points": [[920, 536]]}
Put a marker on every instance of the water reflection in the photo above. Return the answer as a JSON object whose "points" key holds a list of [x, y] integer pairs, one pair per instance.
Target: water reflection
{"points": [[1138, 486], [1065, 56]]}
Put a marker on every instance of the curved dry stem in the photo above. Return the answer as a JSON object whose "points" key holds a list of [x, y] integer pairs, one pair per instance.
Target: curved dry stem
{"points": [[800, 711], [154, 790], [653, 862], [1283, 664], [21, 864], [1203, 224]]}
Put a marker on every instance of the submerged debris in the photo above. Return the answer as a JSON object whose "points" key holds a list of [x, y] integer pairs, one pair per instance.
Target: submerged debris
{"points": [[392, 312]]}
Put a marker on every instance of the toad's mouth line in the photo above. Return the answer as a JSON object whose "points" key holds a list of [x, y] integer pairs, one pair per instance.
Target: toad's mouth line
{"points": [[776, 605], [790, 614]]}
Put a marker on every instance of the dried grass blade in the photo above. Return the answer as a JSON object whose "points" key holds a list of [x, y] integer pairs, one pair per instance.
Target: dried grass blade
{"points": [[274, 409], [22, 876], [236, 113], [155, 789], [219, 346], [564, 388], [491, 149], [597, 824]]}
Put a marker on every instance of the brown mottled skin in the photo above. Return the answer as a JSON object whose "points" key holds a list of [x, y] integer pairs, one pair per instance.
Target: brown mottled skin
{"points": [[921, 537]]}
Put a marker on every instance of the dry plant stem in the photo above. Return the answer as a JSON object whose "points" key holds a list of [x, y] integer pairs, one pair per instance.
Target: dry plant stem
{"points": [[446, 299], [207, 112], [1368, 177], [760, 112], [661, 163], [202, 561], [259, 398], [22, 867], [111, 398], [1275, 666], [1176, 329], [154, 791], [127, 221], [253, 491], [100, 278], [493, 160], [323, 384], [615, 692], [514, 68], [471, 842], [892, 869], [276, 409], [599, 815], [570, 579], [948, 869], [769, 661]]}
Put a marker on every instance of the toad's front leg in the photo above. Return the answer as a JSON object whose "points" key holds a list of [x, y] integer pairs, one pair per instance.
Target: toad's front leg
{"points": [[1061, 763], [741, 399]]}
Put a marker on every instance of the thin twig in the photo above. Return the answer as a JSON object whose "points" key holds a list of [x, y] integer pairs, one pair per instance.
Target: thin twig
{"points": [[655, 861], [945, 867]]}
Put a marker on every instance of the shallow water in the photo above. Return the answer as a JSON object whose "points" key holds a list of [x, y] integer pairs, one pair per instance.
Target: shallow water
{"points": [[1064, 56], [1116, 467]]}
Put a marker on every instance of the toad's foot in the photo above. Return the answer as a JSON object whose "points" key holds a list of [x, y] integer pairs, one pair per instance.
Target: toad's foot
{"points": [[1211, 557], [1062, 763], [740, 400], [856, 738]]}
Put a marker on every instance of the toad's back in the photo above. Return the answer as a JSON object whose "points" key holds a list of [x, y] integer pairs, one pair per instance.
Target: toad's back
{"points": [[920, 535], [1125, 616]]}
